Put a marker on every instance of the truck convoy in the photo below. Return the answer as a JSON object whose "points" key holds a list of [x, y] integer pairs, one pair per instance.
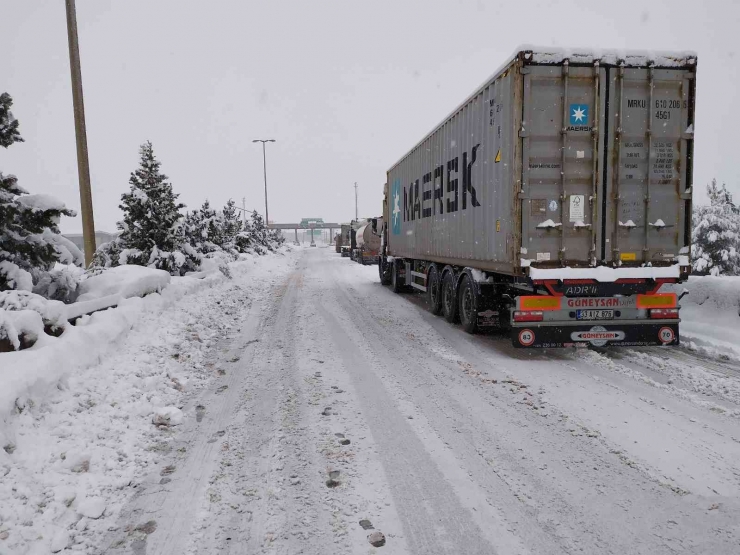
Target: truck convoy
{"points": [[554, 202]]}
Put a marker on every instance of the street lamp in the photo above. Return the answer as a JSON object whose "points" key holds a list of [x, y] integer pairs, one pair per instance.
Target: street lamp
{"points": [[264, 165]]}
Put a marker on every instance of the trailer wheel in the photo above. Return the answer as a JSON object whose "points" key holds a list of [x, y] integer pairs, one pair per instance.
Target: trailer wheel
{"points": [[434, 290], [396, 284], [449, 298], [384, 269], [468, 305]]}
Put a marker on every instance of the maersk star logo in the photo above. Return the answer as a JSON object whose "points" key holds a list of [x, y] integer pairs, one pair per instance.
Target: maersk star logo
{"points": [[579, 114], [396, 211]]}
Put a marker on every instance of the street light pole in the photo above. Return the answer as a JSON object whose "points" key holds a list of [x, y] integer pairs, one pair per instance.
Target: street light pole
{"points": [[357, 215], [83, 164], [264, 166]]}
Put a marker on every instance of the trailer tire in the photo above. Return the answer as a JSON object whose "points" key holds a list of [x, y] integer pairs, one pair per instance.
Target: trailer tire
{"points": [[384, 271], [434, 288], [449, 298], [468, 305], [396, 284]]}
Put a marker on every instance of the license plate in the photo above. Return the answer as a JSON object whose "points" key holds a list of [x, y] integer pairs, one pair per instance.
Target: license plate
{"points": [[594, 315]]}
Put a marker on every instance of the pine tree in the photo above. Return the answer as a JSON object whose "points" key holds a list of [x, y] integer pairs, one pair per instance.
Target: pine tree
{"points": [[716, 234], [30, 243], [259, 231], [203, 229], [150, 230], [213, 237], [232, 225], [244, 240], [9, 133]]}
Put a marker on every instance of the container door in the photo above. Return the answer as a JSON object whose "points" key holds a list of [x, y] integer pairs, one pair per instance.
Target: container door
{"points": [[648, 185], [561, 165]]}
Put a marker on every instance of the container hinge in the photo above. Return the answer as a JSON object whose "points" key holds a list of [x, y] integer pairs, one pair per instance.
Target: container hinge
{"points": [[525, 70], [686, 195], [523, 133]]}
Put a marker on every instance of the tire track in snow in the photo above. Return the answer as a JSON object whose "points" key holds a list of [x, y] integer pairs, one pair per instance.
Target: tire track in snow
{"points": [[434, 520], [603, 495]]}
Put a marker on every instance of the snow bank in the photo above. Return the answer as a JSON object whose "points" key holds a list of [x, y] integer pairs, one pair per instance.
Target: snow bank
{"points": [[713, 292], [31, 372], [710, 314], [125, 281], [53, 313], [21, 323], [84, 417]]}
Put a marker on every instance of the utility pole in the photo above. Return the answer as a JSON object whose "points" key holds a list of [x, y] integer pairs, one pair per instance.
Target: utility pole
{"points": [[357, 216], [264, 166], [83, 164], [244, 210]]}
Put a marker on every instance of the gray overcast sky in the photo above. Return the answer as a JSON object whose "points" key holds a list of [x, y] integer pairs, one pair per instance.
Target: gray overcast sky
{"points": [[345, 87]]}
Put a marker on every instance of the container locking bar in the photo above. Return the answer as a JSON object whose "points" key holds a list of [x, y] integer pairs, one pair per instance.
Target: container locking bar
{"points": [[563, 150]]}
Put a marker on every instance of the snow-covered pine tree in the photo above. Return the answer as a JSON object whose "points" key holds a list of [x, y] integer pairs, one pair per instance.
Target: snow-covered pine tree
{"points": [[212, 227], [203, 229], [259, 233], [191, 229], [716, 234], [107, 254], [9, 133], [151, 214], [232, 225], [30, 243], [276, 237], [244, 240]]}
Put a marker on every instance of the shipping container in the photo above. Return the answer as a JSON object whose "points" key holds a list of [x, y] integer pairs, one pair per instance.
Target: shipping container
{"points": [[562, 166]]}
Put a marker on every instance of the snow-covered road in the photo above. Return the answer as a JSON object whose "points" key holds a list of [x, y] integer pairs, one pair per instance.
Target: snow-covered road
{"points": [[446, 443], [339, 406]]}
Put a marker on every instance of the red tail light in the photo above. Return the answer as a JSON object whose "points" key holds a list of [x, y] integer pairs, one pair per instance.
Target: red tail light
{"points": [[664, 313], [528, 316]]}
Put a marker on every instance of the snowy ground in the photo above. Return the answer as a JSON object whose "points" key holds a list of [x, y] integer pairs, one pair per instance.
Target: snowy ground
{"points": [[302, 366]]}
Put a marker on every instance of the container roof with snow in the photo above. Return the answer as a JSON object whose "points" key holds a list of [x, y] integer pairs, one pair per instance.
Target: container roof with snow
{"points": [[548, 55]]}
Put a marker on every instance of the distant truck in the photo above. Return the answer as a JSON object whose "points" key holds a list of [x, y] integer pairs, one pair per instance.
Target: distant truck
{"points": [[355, 225], [344, 239], [368, 243], [554, 202]]}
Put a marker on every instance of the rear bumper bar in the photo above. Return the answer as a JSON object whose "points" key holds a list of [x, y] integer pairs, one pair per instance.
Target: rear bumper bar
{"points": [[599, 334]]}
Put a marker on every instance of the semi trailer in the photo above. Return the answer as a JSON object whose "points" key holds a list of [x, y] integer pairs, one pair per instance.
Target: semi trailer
{"points": [[355, 226], [368, 243], [554, 202]]}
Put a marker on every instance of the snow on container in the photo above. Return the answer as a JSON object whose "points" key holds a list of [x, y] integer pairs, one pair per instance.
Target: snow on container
{"points": [[566, 173]]}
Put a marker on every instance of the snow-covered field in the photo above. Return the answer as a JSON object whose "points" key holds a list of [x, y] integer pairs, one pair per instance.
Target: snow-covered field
{"points": [[301, 408]]}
